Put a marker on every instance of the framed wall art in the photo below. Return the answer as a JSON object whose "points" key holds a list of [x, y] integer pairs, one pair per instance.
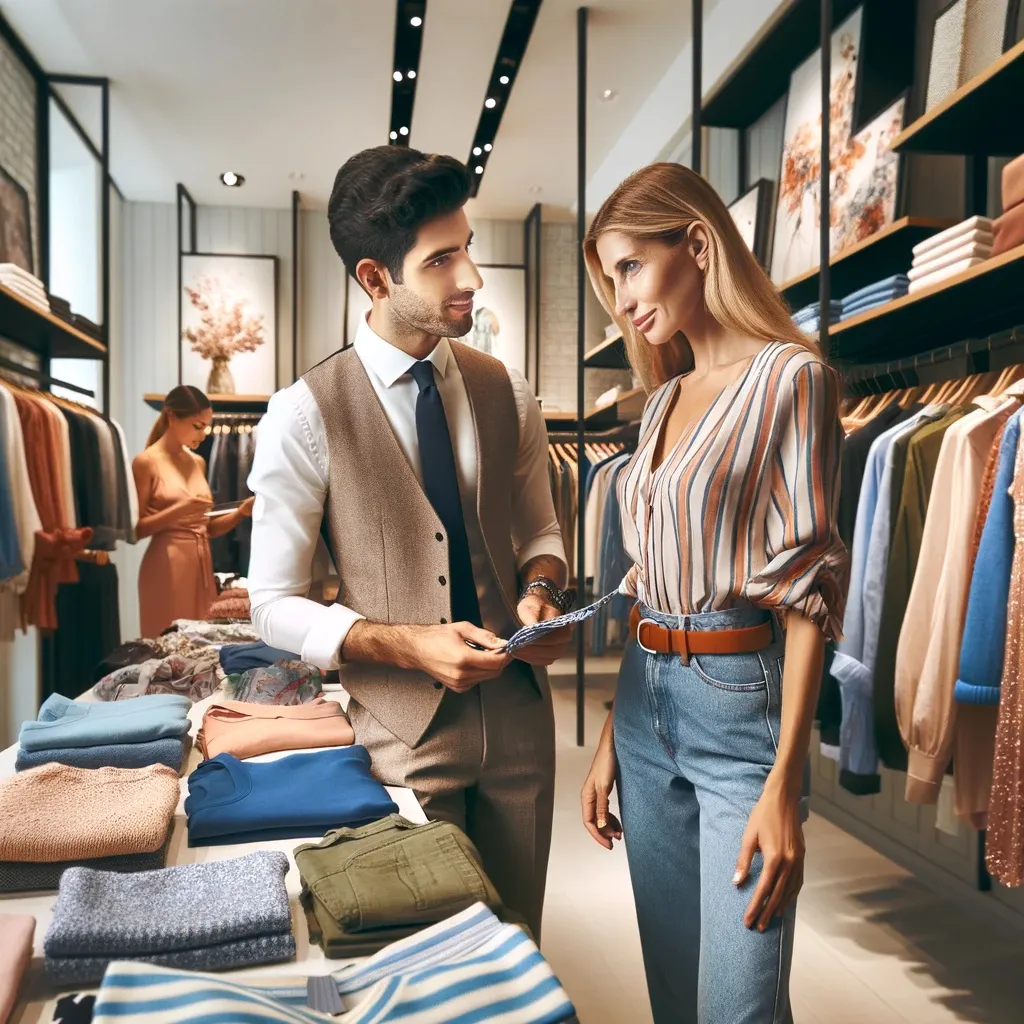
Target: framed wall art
{"points": [[797, 215], [499, 315], [15, 224], [752, 213], [228, 341]]}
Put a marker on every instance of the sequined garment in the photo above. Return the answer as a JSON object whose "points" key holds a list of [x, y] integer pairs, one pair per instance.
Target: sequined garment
{"points": [[988, 483], [1005, 843]]}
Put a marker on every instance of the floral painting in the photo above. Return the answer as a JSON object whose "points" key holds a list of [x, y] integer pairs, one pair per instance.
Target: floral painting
{"points": [[229, 323], [798, 210]]}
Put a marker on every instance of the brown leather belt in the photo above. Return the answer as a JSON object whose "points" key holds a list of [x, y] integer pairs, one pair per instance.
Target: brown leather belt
{"points": [[657, 639]]}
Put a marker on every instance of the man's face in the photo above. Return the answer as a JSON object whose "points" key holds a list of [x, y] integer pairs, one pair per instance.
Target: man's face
{"points": [[438, 279]]}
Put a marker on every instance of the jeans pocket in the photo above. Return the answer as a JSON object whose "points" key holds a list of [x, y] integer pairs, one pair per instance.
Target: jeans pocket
{"points": [[741, 673]]}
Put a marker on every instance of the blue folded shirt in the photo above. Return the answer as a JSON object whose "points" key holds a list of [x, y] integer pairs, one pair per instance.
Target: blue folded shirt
{"points": [[897, 284], [169, 751], [295, 797], [66, 723], [236, 658]]}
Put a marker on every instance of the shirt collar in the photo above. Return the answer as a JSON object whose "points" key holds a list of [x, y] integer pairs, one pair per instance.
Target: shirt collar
{"points": [[389, 363]]}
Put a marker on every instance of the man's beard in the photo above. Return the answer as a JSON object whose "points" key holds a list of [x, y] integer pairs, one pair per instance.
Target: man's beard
{"points": [[414, 312]]}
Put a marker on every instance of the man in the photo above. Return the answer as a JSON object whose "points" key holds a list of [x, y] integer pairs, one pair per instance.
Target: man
{"points": [[426, 462]]}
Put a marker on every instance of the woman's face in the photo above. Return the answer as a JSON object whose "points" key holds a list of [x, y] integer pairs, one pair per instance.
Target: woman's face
{"points": [[659, 287], [189, 431]]}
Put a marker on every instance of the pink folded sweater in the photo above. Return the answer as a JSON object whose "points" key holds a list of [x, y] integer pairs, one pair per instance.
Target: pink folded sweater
{"points": [[16, 933], [59, 813], [247, 730]]}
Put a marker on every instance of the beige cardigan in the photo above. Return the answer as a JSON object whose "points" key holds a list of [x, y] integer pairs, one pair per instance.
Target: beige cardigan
{"points": [[928, 655]]}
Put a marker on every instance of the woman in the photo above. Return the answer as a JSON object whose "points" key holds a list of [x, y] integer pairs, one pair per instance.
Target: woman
{"points": [[728, 510], [176, 576]]}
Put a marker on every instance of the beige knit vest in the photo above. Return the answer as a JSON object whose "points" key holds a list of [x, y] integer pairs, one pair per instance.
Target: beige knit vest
{"points": [[383, 530]]}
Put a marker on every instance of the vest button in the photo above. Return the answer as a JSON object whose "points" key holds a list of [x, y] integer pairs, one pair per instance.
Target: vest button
{"points": [[438, 686], [439, 536], [442, 581], [444, 621]]}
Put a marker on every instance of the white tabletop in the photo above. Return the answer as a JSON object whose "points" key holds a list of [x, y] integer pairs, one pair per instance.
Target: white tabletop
{"points": [[38, 998]]}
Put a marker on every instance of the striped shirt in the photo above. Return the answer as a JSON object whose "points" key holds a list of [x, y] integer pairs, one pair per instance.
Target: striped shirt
{"points": [[470, 968], [742, 510]]}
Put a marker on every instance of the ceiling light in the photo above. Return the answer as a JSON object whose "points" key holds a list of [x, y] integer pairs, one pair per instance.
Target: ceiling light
{"points": [[488, 147], [394, 135], [398, 76], [416, 22], [411, 74], [403, 130], [479, 169], [609, 94], [477, 151], [503, 79], [232, 180], [490, 102]]}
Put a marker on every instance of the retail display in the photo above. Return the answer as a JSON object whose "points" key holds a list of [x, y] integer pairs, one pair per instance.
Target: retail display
{"points": [[248, 730], [211, 916], [950, 252], [301, 795], [471, 965], [363, 888], [286, 682], [16, 933]]}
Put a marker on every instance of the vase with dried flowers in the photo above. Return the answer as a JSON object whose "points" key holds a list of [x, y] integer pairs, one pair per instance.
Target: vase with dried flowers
{"points": [[226, 328]]}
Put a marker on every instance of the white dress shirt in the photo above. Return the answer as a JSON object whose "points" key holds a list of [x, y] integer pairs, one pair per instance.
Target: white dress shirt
{"points": [[290, 477]]}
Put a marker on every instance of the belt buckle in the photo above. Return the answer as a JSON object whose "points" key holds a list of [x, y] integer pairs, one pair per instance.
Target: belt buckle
{"points": [[639, 632]]}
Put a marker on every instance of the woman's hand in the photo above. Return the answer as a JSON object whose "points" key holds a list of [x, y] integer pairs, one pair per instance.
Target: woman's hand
{"points": [[599, 821], [775, 829], [245, 509]]}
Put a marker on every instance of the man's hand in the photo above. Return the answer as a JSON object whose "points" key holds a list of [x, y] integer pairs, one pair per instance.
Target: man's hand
{"points": [[439, 651], [537, 607]]}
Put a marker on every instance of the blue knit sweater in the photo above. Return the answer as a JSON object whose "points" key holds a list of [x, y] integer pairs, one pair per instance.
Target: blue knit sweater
{"points": [[984, 639]]}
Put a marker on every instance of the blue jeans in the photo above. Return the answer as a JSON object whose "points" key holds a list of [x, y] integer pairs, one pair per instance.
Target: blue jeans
{"points": [[695, 744]]}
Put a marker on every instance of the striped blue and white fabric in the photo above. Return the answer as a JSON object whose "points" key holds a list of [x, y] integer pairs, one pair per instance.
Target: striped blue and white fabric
{"points": [[468, 969]]}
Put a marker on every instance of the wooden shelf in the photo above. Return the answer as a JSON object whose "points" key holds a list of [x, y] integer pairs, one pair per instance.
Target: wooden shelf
{"points": [[986, 298], [42, 332], [985, 116], [609, 355], [625, 409], [221, 403], [885, 253]]}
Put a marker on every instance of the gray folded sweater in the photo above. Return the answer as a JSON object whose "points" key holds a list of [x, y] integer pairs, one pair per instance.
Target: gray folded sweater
{"points": [[186, 907]]}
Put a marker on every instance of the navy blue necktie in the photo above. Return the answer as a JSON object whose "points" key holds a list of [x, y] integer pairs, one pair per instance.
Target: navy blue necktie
{"points": [[441, 484]]}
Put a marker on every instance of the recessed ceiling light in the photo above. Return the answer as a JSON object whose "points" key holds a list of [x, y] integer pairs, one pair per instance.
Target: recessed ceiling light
{"points": [[477, 151], [403, 130], [490, 102], [232, 180], [487, 147], [397, 76], [416, 22], [394, 135], [609, 94], [411, 74], [479, 169], [503, 79]]}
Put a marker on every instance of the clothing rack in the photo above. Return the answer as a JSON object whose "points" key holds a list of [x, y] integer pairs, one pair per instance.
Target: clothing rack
{"points": [[42, 378]]}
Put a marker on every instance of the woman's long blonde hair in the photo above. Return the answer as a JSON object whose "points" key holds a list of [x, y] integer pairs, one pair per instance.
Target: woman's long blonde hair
{"points": [[661, 202]]}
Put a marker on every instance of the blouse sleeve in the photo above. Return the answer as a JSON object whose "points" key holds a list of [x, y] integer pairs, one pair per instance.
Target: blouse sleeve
{"points": [[806, 561]]}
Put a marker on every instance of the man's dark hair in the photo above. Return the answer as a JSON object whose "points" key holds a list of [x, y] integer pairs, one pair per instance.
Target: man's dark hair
{"points": [[381, 198]]}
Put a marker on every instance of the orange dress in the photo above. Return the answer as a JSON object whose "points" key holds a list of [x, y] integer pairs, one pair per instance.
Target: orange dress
{"points": [[176, 575]]}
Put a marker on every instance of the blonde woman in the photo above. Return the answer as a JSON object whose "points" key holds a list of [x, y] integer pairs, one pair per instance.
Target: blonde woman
{"points": [[728, 510]]}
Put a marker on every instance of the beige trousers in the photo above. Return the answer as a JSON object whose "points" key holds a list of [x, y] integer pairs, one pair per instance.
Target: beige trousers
{"points": [[486, 764]]}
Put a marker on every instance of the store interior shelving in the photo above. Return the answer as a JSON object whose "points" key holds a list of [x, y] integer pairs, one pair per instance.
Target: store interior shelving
{"points": [[44, 333]]}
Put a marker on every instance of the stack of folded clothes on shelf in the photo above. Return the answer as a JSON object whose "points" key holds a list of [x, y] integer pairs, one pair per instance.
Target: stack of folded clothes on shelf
{"points": [[876, 294], [470, 967], [292, 797], [61, 307], [86, 326], [950, 252], [365, 887], [214, 917], [1008, 230], [57, 817], [249, 730], [27, 285], [808, 318], [16, 934], [285, 682], [150, 730]]}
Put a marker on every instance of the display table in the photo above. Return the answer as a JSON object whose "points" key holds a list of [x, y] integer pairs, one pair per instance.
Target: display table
{"points": [[39, 998]]}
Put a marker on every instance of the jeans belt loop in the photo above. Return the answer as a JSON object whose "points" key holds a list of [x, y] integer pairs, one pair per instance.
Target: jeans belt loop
{"points": [[684, 654]]}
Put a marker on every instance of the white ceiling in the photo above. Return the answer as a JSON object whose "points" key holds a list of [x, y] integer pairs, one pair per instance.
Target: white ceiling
{"points": [[278, 89]]}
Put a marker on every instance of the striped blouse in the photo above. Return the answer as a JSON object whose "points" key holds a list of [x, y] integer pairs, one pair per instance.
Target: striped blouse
{"points": [[742, 510]]}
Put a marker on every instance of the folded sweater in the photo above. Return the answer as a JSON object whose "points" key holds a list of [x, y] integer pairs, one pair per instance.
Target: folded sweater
{"points": [[239, 657], [981, 236], [299, 796], [896, 284], [957, 231], [170, 751], [937, 276], [248, 730], [966, 251], [68, 723], [16, 932], [58, 813]]}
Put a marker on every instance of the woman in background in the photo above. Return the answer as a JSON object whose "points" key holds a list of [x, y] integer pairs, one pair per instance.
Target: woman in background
{"points": [[176, 578], [728, 512]]}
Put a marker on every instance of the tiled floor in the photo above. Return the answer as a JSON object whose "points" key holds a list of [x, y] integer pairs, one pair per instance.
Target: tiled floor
{"points": [[874, 945]]}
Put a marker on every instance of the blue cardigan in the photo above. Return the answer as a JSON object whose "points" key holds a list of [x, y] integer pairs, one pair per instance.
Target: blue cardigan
{"points": [[984, 638]]}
